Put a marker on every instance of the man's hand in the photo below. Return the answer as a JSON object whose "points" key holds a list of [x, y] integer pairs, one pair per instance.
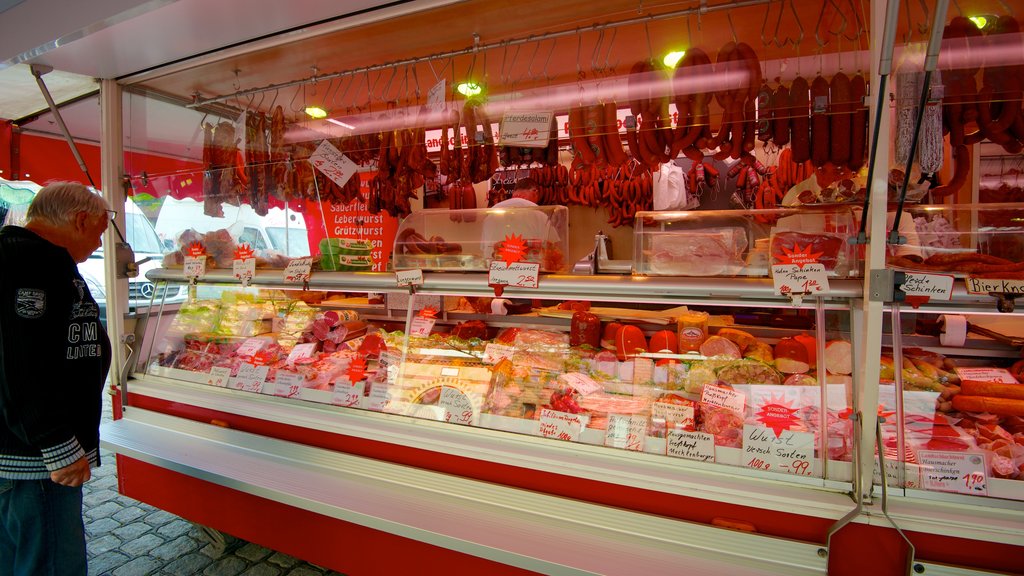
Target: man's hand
{"points": [[73, 475]]}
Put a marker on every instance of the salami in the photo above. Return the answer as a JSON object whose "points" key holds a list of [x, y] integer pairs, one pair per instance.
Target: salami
{"points": [[800, 125], [858, 124], [840, 121], [820, 140], [781, 111]]}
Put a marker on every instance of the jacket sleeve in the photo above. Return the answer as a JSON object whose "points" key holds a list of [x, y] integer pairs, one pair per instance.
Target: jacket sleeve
{"points": [[36, 375]]}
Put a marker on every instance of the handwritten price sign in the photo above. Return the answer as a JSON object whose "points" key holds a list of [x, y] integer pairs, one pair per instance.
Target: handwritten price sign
{"points": [[936, 286], [788, 452], [562, 425], [698, 446], [525, 129], [409, 277], [493, 353], [436, 96], [250, 377], [516, 275], [723, 398], [298, 270], [626, 432], [794, 279], [195, 267], [962, 472], [288, 384], [458, 408], [219, 376], [332, 163], [347, 393]]}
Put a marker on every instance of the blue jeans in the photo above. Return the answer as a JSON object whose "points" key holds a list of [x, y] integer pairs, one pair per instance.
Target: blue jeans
{"points": [[41, 529]]}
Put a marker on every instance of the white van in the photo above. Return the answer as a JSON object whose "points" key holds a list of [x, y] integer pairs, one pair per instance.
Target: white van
{"points": [[280, 230]]}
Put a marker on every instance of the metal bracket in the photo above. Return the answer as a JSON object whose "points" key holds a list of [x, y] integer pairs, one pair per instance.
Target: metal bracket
{"points": [[883, 285]]}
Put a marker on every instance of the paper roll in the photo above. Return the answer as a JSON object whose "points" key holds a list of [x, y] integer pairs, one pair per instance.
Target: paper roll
{"points": [[954, 330]]}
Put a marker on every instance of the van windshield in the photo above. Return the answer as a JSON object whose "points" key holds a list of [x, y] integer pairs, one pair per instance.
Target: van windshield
{"points": [[140, 234], [290, 241]]}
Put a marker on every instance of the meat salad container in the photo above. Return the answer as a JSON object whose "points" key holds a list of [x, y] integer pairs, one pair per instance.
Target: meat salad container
{"points": [[466, 240], [743, 242]]}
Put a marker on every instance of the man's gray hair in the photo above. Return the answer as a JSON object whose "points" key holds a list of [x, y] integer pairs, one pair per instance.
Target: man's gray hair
{"points": [[58, 202]]}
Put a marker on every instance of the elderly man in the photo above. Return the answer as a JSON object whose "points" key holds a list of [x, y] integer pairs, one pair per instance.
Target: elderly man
{"points": [[54, 358]]}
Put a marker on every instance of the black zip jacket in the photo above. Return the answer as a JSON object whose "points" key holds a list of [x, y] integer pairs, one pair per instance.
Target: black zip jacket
{"points": [[54, 358]]}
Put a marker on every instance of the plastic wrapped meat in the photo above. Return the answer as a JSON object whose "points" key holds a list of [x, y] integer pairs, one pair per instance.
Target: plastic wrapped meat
{"points": [[724, 424], [698, 253]]}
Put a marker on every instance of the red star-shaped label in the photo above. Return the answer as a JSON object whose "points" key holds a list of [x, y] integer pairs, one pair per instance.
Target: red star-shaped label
{"points": [[243, 252], [357, 369], [428, 312], [196, 249], [513, 249], [262, 358], [778, 415], [799, 255]]}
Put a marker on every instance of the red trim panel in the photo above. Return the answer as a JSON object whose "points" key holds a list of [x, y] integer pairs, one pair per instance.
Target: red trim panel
{"points": [[342, 546]]}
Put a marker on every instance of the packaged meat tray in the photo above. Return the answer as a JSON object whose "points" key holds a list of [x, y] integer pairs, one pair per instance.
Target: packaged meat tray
{"points": [[466, 240]]}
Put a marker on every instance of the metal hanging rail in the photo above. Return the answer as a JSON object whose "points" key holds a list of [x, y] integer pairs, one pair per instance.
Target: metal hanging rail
{"points": [[698, 11]]}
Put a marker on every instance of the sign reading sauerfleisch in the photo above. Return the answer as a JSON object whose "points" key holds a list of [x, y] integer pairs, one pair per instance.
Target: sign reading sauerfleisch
{"points": [[525, 129]]}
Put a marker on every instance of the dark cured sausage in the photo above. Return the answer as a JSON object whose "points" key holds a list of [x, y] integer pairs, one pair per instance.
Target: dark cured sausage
{"points": [[859, 124], [800, 125], [781, 110], [820, 139], [841, 118]]}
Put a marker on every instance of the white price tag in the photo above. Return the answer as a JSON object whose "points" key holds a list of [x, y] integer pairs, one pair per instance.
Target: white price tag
{"points": [[525, 129], [785, 451], [300, 351], [674, 415], [989, 285], [963, 472], [288, 384], [626, 431], [436, 97], [723, 398], [298, 270], [250, 378], [422, 326], [195, 267], [493, 353], [409, 277], [347, 393], [562, 425], [516, 274], [582, 383], [219, 376], [458, 408], [1000, 375], [250, 347], [794, 279], [335, 165], [698, 446], [935, 286], [244, 270], [380, 397]]}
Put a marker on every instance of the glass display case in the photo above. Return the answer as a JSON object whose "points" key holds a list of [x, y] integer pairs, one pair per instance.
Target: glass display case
{"points": [[744, 242], [466, 240]]}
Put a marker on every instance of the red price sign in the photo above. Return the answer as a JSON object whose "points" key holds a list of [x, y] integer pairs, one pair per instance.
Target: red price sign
{"points": [[800, 279]]}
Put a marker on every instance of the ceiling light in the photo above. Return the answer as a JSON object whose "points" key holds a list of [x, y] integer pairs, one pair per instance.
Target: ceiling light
{"points": [[469, 89], [979, 21], [316, 112], [673, 58], [340, 123]]}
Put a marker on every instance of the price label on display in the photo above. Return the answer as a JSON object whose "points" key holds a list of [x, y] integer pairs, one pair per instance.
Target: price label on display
{"points": [[195, 267], [380, 397], [436, 97], [347, 393], [934, 286], [962, 472], [333, 164], [562, 425], [797, 279], [288, 384], [525, 129], [698, 446], [409, 277], [516, 275], [250, 347], [1000, 375], [458, 408], [977, 285], [674, 415], [219, 376], [300, 352], [298, 270], [493, 353], [626, 431], [723, 398], [787, 452], [250, 377], [422, 326], [244, 270]]}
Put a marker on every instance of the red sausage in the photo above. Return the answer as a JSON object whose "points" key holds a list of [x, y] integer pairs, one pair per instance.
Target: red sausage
{"points": [[841, 118]]}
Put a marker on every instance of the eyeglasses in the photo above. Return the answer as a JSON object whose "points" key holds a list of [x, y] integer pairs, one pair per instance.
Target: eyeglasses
{"points": [[112, 214]]}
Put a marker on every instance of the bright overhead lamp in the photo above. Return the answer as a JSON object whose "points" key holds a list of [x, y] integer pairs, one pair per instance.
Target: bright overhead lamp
{"points": [[979, 21], [468, 89], [672, 58], [316, 112], [340, 123]]}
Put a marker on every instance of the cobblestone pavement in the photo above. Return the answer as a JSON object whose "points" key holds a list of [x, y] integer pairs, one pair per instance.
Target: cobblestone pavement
{"points": [[125, 537]]}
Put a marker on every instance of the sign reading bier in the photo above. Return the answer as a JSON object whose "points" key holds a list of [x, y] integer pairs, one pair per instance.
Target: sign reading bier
{"points": [[977, 285]]}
